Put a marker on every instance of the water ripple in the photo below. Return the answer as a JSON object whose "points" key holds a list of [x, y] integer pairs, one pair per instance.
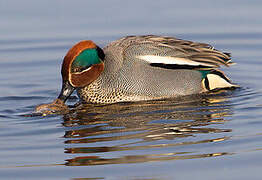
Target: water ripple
{"points": [[125, 129]]}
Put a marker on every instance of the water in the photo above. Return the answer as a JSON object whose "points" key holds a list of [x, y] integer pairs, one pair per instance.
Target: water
{"points": [[217, 136]]}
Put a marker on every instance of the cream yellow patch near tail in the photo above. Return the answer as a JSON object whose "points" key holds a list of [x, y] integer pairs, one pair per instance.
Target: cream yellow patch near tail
{"points": [[217, 80]]}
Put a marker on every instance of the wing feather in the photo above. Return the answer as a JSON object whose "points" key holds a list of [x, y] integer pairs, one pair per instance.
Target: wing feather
{"points": [[176, 52]]}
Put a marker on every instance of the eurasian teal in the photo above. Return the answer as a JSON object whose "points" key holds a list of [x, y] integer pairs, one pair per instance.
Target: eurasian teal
{"points": [[137, 68]]}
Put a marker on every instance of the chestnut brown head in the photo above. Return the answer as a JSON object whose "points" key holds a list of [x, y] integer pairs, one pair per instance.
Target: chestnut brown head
{"points": [[82, 65]]}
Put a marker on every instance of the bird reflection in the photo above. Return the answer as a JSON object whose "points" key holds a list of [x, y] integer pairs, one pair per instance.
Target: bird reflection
{"points": [[146, 131]]}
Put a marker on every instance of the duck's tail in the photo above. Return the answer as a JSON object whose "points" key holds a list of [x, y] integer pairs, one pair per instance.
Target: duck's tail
{"points": [[216, 80]]}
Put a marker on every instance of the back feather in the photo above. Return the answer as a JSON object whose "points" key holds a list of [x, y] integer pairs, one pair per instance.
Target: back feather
{"points": [[189, 54]]}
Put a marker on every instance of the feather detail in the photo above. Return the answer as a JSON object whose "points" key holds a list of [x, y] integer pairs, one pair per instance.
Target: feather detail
{"points": [[192, 62], [217, 80], [171, 60], [177, 52]]}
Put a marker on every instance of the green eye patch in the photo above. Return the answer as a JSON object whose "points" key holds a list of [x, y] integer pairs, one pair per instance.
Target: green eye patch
{"points": [[85, 59]]}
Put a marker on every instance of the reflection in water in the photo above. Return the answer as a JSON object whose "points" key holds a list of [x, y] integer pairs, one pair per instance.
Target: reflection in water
{"points": [[146, 131]]}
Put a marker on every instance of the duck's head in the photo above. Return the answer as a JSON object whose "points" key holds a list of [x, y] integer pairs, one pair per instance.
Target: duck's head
{"points": [[82, 65]]}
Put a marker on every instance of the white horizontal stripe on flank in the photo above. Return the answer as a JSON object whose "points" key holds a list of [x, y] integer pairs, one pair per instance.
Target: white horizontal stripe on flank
{"points": [[168, 60]]}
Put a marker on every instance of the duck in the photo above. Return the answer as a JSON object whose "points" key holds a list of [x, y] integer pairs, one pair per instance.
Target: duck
{"points": [[140, 68]]}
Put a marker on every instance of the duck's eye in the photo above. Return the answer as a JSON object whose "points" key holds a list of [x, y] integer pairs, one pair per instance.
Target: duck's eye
{"points": [[85, 60]]}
